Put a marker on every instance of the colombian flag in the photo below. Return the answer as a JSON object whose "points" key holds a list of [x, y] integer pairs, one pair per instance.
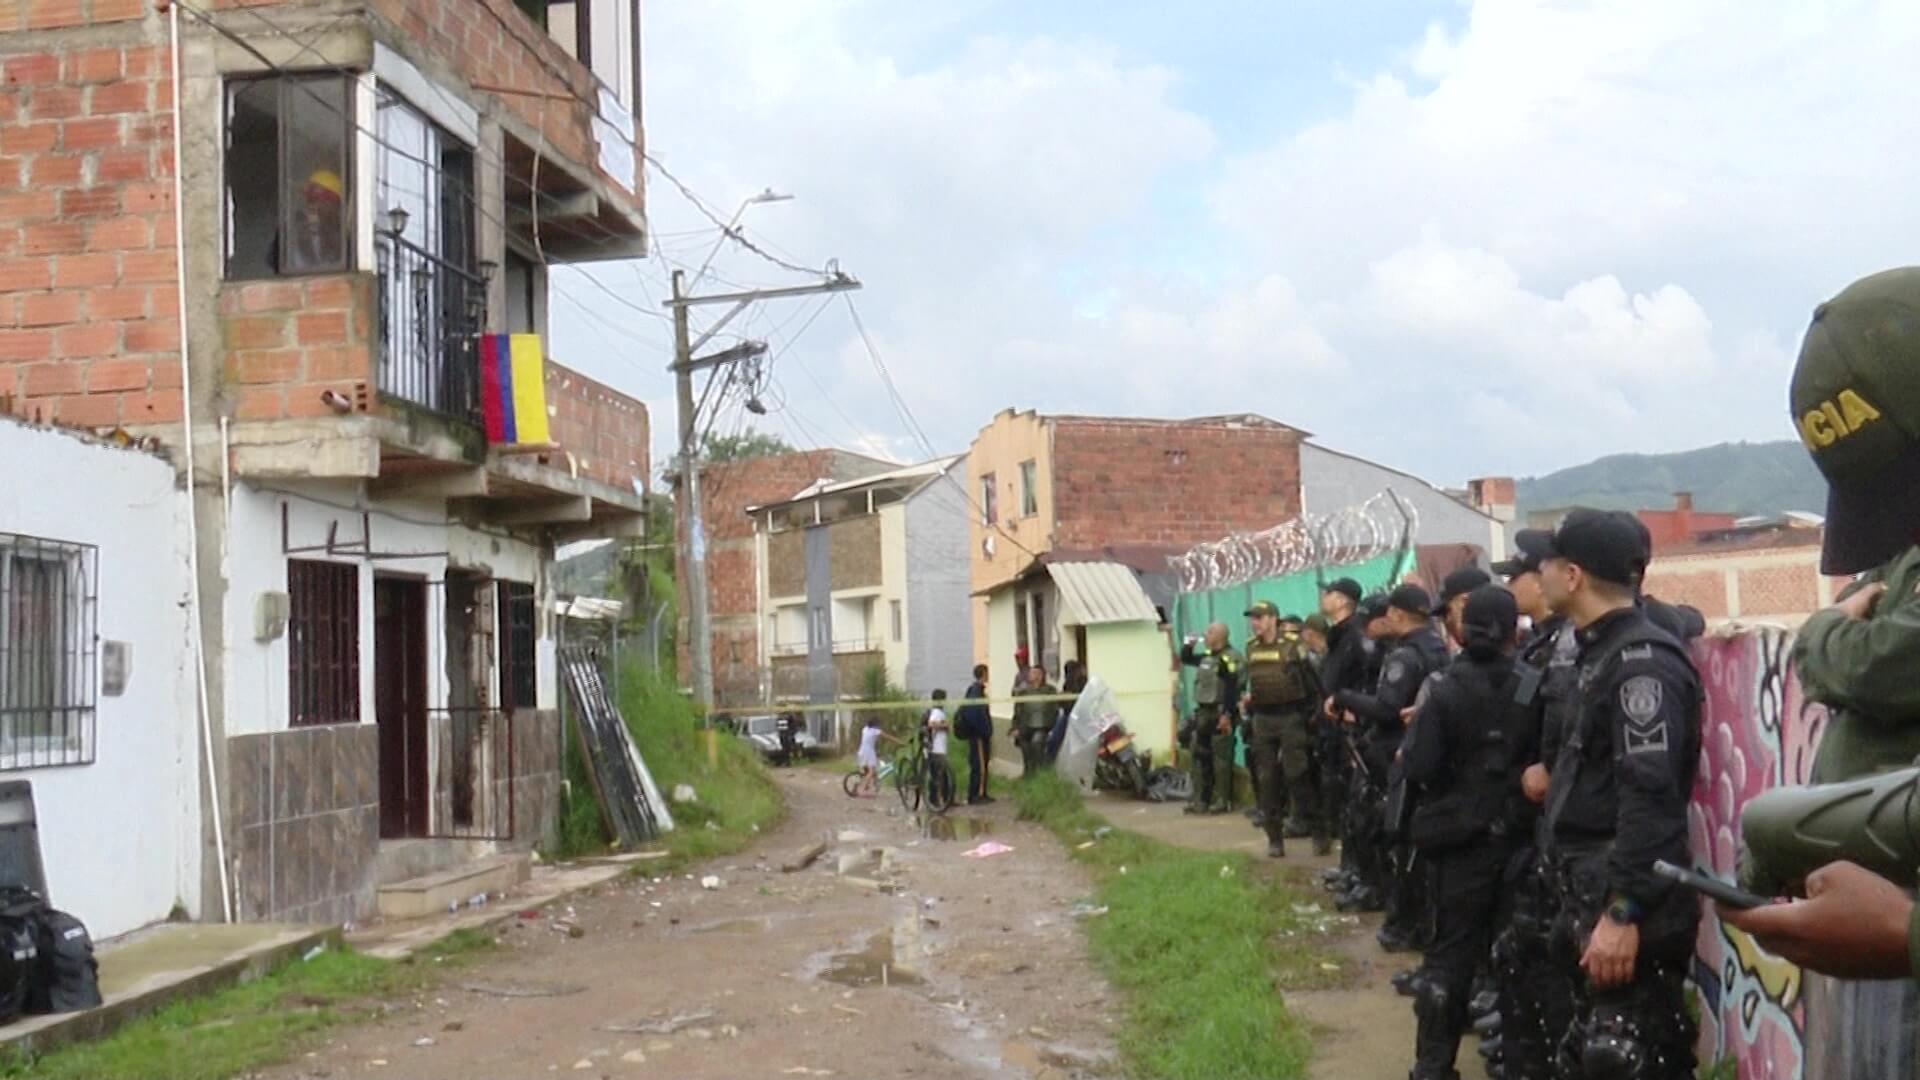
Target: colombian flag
{"points": [[513, 388]]}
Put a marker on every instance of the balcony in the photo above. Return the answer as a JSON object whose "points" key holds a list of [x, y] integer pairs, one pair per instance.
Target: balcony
{"points": [[431, 315]]}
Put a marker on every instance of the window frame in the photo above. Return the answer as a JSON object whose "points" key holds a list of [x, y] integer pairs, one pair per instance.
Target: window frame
{"points": [[311, 677], [897, 610], [230, 88], [75, 686], [519, 644], [989, 501], [1029, 488]]}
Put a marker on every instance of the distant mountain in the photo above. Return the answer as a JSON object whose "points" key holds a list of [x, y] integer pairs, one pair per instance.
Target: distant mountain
{"points": [[1738, 478]]}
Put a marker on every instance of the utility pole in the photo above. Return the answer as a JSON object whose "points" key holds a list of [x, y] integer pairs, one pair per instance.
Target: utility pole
{"points": [[693, 541]]}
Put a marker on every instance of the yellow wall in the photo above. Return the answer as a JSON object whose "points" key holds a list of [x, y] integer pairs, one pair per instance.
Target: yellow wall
{"points": [[1136, 661], [999, 449]]}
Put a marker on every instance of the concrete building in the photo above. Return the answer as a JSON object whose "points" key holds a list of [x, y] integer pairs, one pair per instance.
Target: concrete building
{"points": [[858, 574], [295, 303], [99, 737], [727, 489], [1764, 570], [1681, 526]]}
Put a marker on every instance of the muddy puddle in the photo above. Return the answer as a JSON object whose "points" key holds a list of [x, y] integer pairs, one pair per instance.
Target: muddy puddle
{"points": [[876, 965], [957, 828]]}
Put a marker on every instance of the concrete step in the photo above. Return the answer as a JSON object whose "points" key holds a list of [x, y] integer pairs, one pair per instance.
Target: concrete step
{"points": [[434, 893]]}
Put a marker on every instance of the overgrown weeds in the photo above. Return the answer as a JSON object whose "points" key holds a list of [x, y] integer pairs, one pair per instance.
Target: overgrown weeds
{"points": [[1189, 938]]}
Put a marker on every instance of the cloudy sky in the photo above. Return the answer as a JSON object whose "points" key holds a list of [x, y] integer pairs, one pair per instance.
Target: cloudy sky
{"points": [[1459, 238]]}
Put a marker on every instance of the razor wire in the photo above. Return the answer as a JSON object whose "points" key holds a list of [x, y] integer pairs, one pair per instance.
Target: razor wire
{"points": [[1352, 534]]}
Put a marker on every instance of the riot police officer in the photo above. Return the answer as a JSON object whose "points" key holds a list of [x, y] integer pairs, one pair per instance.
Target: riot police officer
{"points": [[1216, 692], [1616, 803], [1283, 693], [1417, 653], [1464, 751], [1534, 998], [1362, 843]]}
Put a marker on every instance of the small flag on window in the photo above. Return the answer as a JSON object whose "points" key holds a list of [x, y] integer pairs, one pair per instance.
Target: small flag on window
{"points": [[513, 388]]}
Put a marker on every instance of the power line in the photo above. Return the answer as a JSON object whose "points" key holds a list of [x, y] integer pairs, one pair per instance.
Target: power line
{"points": [[735, 233]]}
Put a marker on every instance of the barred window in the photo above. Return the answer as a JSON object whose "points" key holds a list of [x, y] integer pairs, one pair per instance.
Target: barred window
{"points": [[519, 684], [323, 642], [49, 648]]}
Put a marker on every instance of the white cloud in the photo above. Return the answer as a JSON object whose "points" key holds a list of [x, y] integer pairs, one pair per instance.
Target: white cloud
{"points": [[1577, 228]]}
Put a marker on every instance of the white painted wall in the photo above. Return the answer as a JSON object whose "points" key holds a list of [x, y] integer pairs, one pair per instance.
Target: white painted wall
{"points": [[1331, 481], [256, 563], [893, 589], [120, 838]]}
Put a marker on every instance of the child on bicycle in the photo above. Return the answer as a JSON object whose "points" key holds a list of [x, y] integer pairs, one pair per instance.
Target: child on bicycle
{"points": [[869, 755]]}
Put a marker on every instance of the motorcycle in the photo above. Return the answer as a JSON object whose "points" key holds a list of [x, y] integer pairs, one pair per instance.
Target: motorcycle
{"points": [[1117, 766]]}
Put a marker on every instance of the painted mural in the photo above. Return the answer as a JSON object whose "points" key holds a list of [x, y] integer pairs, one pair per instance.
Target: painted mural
{"points": [[1757, 733]]}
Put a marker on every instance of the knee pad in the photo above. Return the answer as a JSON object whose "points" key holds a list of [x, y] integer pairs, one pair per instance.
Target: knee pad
{"points": [[1612, 1049], [1435, 1002]]}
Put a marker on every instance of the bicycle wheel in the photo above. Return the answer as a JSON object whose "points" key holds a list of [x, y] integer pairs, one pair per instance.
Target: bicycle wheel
{"points": [[851, 783], [906, 781]]}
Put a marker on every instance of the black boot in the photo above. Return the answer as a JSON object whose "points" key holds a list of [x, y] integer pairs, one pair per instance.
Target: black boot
{"points": [[1436, 1041]]}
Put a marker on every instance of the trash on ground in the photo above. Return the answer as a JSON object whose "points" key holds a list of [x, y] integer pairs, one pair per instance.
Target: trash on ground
{"points": [[684, 793], [1102, 831], [803, 858], [1226, 872], [1083, 846], [1087, 911], [523, 990], [710, 882], [1327, 966], [669, 1026], [988, 849], [423, 1041]]}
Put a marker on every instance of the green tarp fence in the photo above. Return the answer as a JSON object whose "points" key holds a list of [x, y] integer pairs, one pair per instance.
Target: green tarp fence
{"points": [[1294, 594]]}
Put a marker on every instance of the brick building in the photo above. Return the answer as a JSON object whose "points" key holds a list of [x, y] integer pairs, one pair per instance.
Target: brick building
{"points": [[1680, 526], [1040, 483], [727, 489], [1764, 570], [296, 300]]}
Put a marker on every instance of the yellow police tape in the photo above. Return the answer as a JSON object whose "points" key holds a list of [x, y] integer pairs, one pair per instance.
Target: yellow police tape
{"points": [[949, 703]]}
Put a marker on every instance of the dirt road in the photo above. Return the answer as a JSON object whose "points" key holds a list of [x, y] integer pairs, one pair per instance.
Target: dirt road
{"points": [[892, 956], [1361, 1028]]}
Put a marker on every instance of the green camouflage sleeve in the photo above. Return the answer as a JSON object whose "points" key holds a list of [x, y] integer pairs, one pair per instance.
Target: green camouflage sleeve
{"points": [[1864, 664]]}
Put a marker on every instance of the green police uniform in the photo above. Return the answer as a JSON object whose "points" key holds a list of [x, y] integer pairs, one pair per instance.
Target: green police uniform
{"points": [[1216, 691], [1285, 692], [1031, 722], [1864, 671]]}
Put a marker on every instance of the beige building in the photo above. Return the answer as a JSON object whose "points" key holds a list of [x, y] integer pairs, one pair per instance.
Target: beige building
{"points": [[860, 574]]}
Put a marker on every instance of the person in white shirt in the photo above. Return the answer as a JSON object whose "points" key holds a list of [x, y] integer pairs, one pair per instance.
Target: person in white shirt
{"points": [[869, 755], [939, 777]]}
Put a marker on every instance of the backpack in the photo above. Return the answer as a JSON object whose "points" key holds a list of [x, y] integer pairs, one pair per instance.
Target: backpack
{"points": [[69, 976], [19, 951]]}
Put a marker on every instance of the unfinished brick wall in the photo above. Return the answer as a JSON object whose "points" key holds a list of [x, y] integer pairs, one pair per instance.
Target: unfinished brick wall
{"points": [[1781, 590], [290, 340], [89, 333], [1705, 589], [605, 430], [1151, 482]]}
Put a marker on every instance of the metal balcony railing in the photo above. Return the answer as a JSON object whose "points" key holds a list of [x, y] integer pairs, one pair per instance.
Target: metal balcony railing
{"points": [[432, 313]]}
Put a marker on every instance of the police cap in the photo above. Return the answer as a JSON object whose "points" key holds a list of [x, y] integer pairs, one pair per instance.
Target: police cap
{"points": [[1411, 598], [1531, 548], [1459, 583], [1609, 544], [1345, 586]]}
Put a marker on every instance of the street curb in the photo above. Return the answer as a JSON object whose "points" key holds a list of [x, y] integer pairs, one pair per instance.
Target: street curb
{"points": [[41, 1034]]}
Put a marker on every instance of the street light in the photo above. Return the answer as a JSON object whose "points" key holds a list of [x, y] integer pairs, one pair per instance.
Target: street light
{"points": [[767, 195]]}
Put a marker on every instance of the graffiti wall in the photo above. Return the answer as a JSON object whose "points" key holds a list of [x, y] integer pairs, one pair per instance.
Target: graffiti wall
{"points": [[1757, 733]]}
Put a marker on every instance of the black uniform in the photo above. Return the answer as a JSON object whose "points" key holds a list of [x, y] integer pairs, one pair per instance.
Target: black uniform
{"points": [[1344, 668], [1465, 751], [1617, 803], [1535, 996], [1408, 663]]}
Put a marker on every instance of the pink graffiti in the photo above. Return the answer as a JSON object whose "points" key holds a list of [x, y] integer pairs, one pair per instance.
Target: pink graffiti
{"points": [[1756, 733]]}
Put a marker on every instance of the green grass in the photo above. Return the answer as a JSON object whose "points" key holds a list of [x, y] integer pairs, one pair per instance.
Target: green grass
{"points": [[1190, 939], [253, 1025], [737, 798]]}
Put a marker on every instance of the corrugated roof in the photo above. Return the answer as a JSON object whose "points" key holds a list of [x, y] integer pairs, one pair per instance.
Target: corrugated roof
{"points": [[1092, 593]]}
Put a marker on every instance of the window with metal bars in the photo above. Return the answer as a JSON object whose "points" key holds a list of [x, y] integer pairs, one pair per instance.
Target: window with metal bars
{"points": [[519, 683], [323, 642], [49, 649]]}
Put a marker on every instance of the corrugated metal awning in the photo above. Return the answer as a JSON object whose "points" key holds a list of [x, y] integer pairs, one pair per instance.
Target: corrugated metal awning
{"points": [[1092, 593]]}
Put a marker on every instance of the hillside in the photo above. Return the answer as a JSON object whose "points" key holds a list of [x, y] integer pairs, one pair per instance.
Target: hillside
{"points": [[1739, 478]]}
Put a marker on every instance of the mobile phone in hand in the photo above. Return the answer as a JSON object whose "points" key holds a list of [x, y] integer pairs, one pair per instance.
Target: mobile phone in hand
{"points": [[1724, 892]]}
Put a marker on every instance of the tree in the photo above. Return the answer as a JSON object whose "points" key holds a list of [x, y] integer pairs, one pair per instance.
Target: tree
{"points": [[745, 446]]}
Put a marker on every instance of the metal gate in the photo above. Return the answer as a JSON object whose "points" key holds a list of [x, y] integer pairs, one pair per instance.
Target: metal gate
{"points": [[470, 731]]}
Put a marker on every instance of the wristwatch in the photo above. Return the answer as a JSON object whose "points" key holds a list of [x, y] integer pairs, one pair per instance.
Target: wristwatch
{"points": [[1624, 912]]}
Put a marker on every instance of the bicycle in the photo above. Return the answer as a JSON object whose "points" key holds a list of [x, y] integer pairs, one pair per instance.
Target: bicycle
{"points": [[852, 782]]}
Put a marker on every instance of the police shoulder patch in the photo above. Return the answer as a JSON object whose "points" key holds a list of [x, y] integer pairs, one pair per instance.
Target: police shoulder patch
{"points": [[1396, 670], [1640, 701]]}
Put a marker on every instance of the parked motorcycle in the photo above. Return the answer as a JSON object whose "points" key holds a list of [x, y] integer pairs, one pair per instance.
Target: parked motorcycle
{"points": [[1117, 766]]}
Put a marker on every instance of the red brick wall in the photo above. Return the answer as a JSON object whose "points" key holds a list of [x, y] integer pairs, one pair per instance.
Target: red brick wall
{"points": [[1782, 590], [1118, 482], [605, 430], [1705, 589], [89, 334], [288, 341]]}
